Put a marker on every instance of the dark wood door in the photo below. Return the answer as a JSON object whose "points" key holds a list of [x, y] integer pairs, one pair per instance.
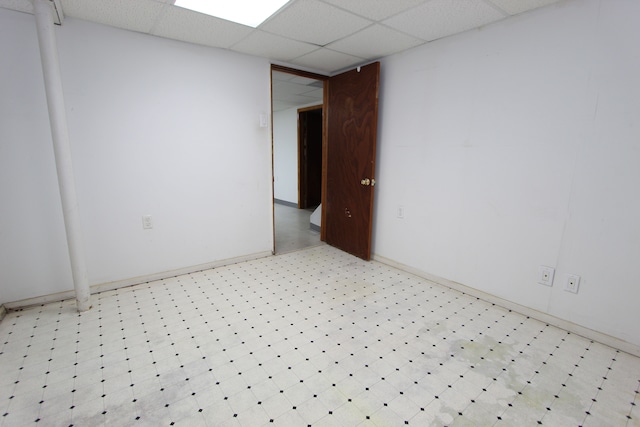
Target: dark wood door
{"points": [[309, 157], [352, 120]]}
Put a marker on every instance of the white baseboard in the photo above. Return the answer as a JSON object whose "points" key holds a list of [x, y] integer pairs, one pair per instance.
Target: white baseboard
{"points": [[535, 314], [527, 311], [102, 287]]}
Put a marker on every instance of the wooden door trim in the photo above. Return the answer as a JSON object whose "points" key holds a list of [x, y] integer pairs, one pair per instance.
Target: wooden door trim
{"points": [[289, 70], [313, 107], [325, 150]]}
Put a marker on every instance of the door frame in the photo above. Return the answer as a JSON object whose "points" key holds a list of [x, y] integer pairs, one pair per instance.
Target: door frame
{"points": [[327, 80], [323, 79]]}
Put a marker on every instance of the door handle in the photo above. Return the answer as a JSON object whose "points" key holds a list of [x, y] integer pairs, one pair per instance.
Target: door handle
{"points": [[365, 181]]}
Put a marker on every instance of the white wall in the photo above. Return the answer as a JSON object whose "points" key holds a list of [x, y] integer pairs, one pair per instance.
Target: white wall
{"points": [[509, 147], [33, 251], [157, 127], [516, 146], [285, 155]]}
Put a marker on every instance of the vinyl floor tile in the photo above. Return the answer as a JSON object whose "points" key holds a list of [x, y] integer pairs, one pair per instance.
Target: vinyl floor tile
{"points": [[314, 337]]}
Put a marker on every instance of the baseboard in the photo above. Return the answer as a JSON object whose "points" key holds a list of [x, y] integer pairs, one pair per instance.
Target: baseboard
{"points": [[103, 287], [285, 203], [527, 311], [314, 227]]}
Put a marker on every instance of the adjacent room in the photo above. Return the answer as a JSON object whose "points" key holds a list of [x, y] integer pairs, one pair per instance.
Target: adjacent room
{"points": [[171, 255], [297, 159]]}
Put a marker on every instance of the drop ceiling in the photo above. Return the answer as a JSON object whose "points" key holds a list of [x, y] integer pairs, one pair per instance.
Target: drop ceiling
{"points": [[323, 36], [289, 91]]}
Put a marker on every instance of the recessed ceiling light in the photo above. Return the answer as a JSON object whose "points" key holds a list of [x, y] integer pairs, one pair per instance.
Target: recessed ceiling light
{"points": [[246, 12]]}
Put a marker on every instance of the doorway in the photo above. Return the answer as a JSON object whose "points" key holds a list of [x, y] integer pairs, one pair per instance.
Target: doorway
{"points": [[297, 158], [349, 123]]}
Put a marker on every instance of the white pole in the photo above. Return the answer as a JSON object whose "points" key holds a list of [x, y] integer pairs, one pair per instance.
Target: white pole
{"points": [[60, 135]]}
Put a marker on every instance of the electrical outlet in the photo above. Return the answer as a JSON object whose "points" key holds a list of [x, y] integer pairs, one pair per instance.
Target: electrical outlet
{"points": [[545, 275], [572, 284], [400, 212], [147, 222]]}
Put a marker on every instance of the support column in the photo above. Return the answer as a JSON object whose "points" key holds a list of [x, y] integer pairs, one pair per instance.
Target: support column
{"points": [[60, 135]]}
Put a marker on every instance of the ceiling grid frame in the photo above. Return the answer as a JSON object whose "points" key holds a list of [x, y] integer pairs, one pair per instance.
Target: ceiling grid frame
{"points": [[321, 36], [324, 36]]}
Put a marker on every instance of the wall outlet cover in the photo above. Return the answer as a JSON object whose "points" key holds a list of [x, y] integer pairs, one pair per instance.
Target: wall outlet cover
{"points": [[572, 284], [545, 275]]}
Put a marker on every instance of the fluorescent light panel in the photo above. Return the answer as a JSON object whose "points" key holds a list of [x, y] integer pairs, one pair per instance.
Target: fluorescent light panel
{"points": [[246, 12]]}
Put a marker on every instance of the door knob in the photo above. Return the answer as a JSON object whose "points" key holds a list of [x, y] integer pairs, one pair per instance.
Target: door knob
{"points": [[365, 181]]}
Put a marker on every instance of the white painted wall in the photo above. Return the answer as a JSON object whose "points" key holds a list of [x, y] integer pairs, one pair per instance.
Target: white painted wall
{"points": [[516, 146], [509, 147], [33, 252], [157, 127], [285, 155]]}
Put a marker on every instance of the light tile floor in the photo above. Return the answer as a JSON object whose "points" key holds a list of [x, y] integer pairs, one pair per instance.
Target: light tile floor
{"points": [[293, 230], [314, 337]]}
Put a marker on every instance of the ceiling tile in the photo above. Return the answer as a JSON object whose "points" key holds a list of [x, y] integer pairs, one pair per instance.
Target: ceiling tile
{"points": [[314, 22], [320, 35], [281, 105], [440, 18], [140, 15], [182, 24], [281, 76], [327, 60], [375, 9], [316, 94], [513, 7], [303, 80], [289, 88], [271, 46], [388, 41], [299, 99], [17, 5], [26, 6]]}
